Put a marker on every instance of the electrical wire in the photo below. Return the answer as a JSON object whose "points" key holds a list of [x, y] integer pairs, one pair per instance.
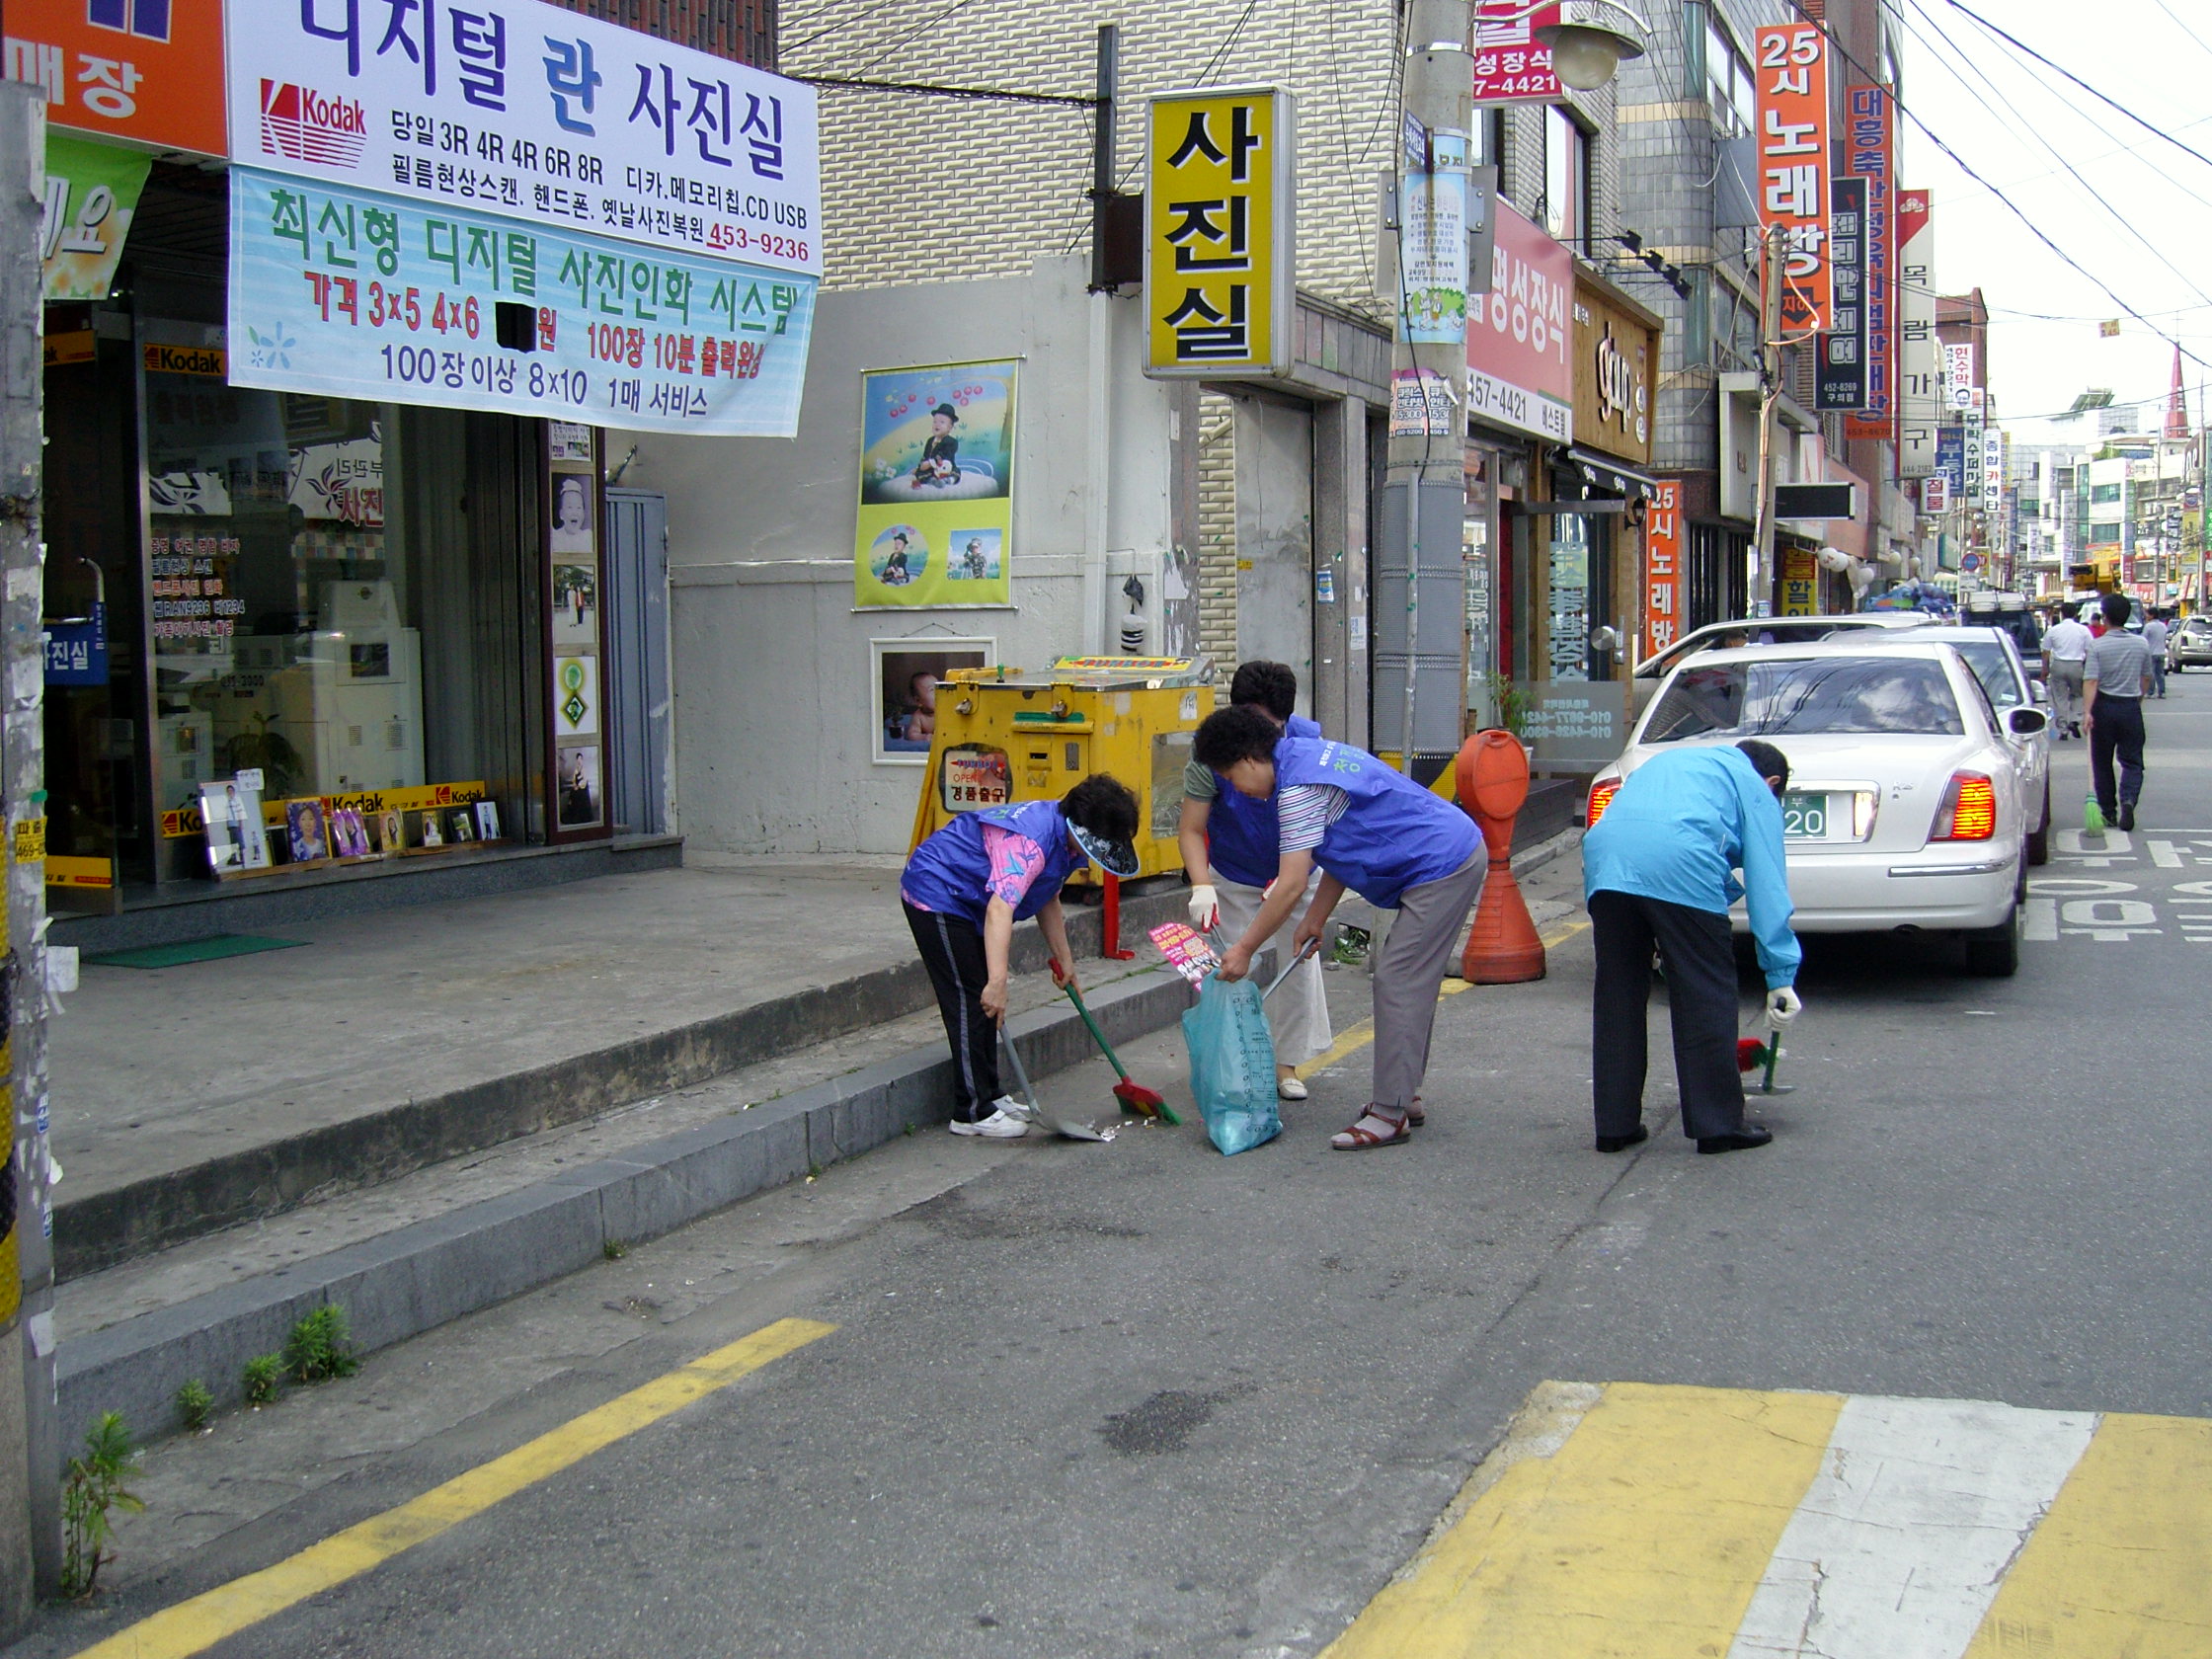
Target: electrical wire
{"points": [[2057, 155], [1964, 166], [2184, 29], [2023, 46], [841, 23]]}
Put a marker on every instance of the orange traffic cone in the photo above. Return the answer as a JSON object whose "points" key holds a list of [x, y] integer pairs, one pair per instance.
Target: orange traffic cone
{"points": [[1493, 778]]}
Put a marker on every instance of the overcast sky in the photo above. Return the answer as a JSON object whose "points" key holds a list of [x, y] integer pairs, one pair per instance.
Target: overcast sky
{"points": [[2138, 52]]}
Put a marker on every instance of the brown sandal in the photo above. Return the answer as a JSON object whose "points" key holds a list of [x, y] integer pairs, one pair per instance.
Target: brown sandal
{"points": [[1358, 1139]]}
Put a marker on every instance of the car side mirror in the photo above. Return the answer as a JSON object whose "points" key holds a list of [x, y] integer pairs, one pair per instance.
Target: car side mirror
{"points": [[2026, 722]]}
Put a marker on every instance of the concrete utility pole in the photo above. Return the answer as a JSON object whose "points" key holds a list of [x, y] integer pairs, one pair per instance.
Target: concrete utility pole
{"points": [[1425, 485], [30, 1453], [1762, 571]]}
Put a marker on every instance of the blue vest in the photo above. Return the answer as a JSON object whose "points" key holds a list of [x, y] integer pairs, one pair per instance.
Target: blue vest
{"points": [[1394, 834], [949, 875], [1242, 839]]}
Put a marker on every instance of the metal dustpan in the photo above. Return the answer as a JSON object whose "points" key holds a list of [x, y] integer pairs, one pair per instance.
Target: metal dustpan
{"points": [[1060, 1123]]}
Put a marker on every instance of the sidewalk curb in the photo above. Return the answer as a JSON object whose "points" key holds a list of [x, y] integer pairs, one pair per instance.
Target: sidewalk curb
{"points": [[103, 1229], [423, 1275]]}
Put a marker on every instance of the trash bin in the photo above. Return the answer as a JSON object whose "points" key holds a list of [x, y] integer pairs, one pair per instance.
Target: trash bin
{"points": [[1010, 735]]}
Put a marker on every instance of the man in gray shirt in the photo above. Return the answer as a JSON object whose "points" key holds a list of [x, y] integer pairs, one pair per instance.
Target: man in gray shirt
{"points": [[2114, 681]]}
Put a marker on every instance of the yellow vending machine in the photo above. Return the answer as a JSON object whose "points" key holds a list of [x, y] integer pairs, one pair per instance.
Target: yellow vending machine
{"points": [[1008, 735]]}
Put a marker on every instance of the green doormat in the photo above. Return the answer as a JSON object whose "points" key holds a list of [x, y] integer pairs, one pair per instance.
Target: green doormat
{"points": [[192, 950]]}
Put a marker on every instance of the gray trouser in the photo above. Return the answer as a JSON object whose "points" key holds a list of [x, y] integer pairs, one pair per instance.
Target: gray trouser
{"points": [[2066, 691], [1409, 971]]}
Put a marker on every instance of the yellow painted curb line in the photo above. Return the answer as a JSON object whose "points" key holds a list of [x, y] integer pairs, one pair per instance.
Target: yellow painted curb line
{"points": [[1361, 1035], [195, 1626]]}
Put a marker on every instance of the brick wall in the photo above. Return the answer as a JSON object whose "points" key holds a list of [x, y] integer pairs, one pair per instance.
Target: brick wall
{"points": [[1216, 529], [916, 186], [745, 30]]}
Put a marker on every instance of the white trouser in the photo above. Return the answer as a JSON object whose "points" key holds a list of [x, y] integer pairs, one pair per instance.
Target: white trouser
{"points": [[1298, 1015]]}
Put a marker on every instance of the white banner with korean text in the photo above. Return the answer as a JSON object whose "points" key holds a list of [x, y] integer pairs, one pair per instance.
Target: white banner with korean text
{"points": [[359, 296], [529, 111]]}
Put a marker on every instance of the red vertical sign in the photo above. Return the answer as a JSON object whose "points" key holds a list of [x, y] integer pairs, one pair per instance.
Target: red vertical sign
{"points": [[1870, 151], [1510, 65], [1662, 568], [1793, 166]]}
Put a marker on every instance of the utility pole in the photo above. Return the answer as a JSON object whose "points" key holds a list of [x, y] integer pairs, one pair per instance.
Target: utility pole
{"points": [[1762, 571], [1436, 103], [29, 1449]]}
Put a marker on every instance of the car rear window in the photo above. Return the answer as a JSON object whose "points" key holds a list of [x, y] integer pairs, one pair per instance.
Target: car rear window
{"points": [[1994, 669], [1806, 697]]}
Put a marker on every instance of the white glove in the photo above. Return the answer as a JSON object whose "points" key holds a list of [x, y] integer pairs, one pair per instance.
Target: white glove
{"points": [[1782, 1007], [1205, 910]]}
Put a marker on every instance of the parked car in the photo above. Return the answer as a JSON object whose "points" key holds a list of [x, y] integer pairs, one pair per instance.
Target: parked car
{"points": [[1760, 630], [2188, 643], [1995, 656], [1903, 811], [1995, 607]]}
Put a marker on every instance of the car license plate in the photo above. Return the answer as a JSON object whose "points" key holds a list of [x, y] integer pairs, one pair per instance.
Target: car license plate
{"points": [[1804, 818]]}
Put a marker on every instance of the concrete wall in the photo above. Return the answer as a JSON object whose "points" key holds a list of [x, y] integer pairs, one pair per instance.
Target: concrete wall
{"points": [[771, 663]]}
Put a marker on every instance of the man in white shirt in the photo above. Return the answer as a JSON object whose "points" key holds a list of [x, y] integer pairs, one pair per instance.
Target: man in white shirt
{"points": [[2066, 648]]}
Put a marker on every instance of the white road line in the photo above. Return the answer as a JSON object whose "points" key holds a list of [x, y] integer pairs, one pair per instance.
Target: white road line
{"points": [[1900, 1543], [2042, 920], [2164, 856]]}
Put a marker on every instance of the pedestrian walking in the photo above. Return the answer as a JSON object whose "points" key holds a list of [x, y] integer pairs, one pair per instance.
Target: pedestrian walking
{"points": [[1378, 833], [2066, 647], [2114, 679], [1231, 848], [2154, 639], [964, 889], [1658, 869]]}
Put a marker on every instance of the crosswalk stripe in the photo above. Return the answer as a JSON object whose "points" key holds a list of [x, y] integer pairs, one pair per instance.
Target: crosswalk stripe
{"points": [[2117, 1570], [1643, 1537], [1901, 1542]]}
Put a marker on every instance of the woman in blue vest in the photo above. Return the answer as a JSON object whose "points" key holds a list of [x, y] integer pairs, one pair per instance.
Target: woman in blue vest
{"points": [[1396, 845], [965, 888], [1230, 849]]}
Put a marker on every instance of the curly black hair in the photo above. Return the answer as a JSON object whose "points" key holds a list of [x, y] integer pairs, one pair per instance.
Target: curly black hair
{"points": [[1272, 686], [1234, 734], [1103, 805]]}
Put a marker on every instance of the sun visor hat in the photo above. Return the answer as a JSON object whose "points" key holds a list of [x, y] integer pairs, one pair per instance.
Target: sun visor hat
{"points": [[1117, 858]]}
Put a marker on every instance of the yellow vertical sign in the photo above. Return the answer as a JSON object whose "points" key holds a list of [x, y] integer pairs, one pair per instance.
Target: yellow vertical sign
{"points": [[1219, 218]]}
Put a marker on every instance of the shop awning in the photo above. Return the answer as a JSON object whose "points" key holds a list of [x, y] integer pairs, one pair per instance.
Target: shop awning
{"points": [[1603, 475]]}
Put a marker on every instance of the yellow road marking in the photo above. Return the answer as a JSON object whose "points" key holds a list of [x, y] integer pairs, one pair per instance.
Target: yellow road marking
{"points": [[2118, 1564], [1358, 1036], [195, 1626], [1643, 1537]]}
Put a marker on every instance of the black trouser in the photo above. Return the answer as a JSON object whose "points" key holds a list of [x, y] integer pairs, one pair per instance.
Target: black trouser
{"points": [[952, 949], [1700, 964], [2116, 725]]}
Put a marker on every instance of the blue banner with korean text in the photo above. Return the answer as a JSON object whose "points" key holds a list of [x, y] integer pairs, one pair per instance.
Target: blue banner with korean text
{"points": [[358, 294]]}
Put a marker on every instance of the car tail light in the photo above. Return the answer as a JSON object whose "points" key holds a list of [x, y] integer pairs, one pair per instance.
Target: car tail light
{"points": [[1600, 797], [1969, 810]]}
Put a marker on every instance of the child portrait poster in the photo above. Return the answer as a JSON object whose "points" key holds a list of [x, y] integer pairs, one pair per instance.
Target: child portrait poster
{"points": [[936, 486]]}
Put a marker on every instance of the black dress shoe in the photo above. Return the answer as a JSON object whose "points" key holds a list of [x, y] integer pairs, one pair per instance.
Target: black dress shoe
{"points": [[2127, 817], [1622, 1142], [1743, 1140]]}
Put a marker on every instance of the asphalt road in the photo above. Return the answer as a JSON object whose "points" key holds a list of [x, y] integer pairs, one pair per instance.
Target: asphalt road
{"points": [[1138, 1400]]}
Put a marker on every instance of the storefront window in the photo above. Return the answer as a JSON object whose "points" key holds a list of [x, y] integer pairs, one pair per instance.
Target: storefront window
{"points": [[327, 604], [1569, 633]]}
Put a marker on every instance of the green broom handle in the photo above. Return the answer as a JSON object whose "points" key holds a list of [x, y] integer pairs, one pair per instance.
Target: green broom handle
{"points": [[1113, 1059]]}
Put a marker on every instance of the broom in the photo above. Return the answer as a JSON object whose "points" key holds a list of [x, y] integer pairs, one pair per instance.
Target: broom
{"points": [[1134, 1097]]}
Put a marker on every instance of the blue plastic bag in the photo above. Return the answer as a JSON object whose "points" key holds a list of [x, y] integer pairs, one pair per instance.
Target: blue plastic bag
{"points": [[1232, 1066]]}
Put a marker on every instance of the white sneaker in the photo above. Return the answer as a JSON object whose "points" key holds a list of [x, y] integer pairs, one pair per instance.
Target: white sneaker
{"points": [[1016, 1109], [1289, 1089], [997, 1126]]}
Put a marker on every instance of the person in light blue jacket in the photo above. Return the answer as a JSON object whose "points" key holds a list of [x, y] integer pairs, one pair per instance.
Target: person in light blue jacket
{"points": [[1658, 869]]}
